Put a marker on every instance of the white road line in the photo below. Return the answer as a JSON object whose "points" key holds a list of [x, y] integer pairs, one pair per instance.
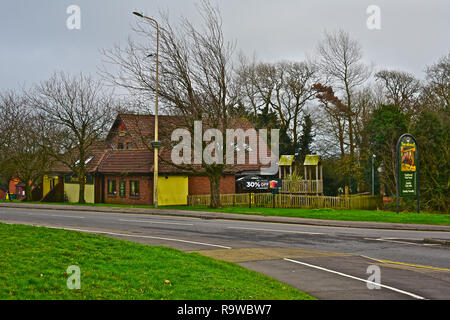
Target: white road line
{"points": [[356, 278], [138, 236], [395, 241], [55, 215], [273, 230], [65, 216], [158, 222]]}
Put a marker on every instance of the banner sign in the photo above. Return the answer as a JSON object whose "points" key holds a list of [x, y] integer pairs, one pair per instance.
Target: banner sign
{"points": [[256, 183], [407, 154], [408, 166]]}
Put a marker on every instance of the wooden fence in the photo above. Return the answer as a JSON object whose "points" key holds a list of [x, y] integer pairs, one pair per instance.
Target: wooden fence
{"points": [[302, 186], [268, 200]]}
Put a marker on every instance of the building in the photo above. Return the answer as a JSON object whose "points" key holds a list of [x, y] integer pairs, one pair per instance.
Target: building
{"points": [[3, 192], [120, 169], [17, 189]]}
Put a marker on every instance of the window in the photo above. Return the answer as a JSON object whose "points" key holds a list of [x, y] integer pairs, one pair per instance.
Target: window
{"points": [[120, 146], [112, 187], [134, 188], [129, 146], [122, 189]]}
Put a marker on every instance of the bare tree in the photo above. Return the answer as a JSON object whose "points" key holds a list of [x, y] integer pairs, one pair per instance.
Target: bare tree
{"points": [[340, 61], [436, 93], [335, 112], [284, 87], [22, 153], [80, 112], [195, 75], [401, 88]]}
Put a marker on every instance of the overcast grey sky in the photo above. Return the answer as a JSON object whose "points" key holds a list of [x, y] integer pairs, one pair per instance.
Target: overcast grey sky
{"points": [[35, 41]]}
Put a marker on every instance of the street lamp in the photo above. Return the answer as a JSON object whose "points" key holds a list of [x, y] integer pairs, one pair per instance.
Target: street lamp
{"points": [[155, 144], [373, 175]]}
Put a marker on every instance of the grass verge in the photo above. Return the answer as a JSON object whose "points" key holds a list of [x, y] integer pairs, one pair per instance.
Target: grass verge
{"points": [[34, 261], [330, 214]]}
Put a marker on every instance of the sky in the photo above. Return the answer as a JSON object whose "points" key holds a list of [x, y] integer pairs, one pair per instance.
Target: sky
{"points": [[35, 40]]}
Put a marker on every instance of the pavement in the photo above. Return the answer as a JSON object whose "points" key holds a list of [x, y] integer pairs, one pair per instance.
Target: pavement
{"points": [[327, 259], [233, 216]]}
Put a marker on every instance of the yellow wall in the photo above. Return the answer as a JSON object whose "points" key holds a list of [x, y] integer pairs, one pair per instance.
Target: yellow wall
{"points": [[46, 184], [172, 190], [72, 190]]}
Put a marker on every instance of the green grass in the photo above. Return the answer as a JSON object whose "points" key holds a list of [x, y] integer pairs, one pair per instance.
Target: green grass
{"points": [[330, 214], [34, 260]]}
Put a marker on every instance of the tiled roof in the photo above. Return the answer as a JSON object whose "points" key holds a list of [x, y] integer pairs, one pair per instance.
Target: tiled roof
{"points": [[140, 160], [127, 161], [96, 152]]}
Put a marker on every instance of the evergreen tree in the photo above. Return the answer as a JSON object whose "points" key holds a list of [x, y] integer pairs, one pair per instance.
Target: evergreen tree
{"points": [[306, 139]]}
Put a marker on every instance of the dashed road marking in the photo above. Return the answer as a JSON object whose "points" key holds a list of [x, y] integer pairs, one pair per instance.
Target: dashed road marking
{"points": [[274, 230], [158, 222]]}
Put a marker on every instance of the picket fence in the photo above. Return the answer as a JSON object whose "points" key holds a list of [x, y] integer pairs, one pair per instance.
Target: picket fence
{"points": [[268, 200]]}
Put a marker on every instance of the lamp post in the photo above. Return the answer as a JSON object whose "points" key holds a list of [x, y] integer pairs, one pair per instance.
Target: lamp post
{"points": [[373, 175], [155, 144]]}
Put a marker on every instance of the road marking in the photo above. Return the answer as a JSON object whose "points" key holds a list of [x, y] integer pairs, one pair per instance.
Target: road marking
{"points": [[55, 215], [158, 222], [404, 242], [407, 264], [65, 216], [273, 230], [140, 236], [356, 278]]}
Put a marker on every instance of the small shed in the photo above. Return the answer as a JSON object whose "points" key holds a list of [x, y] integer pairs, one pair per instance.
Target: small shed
{"points": [[313, 164], [285, 161]]}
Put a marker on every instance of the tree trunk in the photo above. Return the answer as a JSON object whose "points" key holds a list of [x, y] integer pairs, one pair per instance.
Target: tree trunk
{"points": [[82, 184], [28, 192], [215, 190]]}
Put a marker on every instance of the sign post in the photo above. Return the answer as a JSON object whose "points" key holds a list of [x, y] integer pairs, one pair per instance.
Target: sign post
{"points": [[408, 168]]}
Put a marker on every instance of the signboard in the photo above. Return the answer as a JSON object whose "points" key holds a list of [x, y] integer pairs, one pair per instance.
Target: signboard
{"points": [[73, 179], [256, 183], [408, 168]]}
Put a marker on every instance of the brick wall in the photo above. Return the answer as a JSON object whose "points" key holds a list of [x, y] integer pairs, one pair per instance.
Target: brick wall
{"points": [[199, 185], [145, 190]]}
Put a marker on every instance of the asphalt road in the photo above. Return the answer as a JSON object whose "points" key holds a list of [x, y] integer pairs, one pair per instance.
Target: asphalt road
{"points": [[326, 262]]}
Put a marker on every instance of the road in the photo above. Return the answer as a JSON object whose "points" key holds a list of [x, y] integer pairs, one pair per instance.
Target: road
{"points": [[326, 262]]}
